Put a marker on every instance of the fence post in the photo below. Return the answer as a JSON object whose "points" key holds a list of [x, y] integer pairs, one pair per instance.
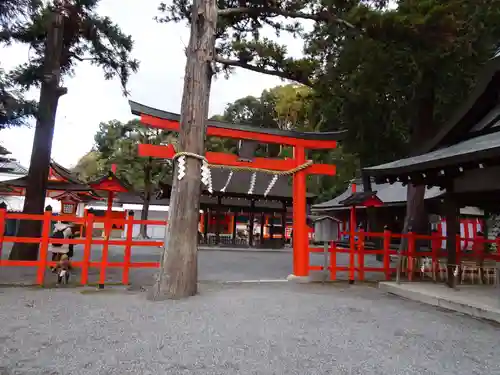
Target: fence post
{"points": [[128, 248], [411, 255], [458, 248], [89, 228], [333, 261], [387, 254], [3, 217], [105, 250], [44, 247], [435, 247], [361, 254]]}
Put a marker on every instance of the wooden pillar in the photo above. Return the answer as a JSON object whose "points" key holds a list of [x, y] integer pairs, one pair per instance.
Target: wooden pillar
{"points": [[283, 224], [271, 227], [205, 226], [111, 196], [352, 241], [217, 220], [251, 219], [235, 217], [262, 219], [300, 240], [452, 214], [201, 225]]}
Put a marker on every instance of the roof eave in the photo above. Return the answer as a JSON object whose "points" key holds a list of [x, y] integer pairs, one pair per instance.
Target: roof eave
{"points": [[141, 109]]}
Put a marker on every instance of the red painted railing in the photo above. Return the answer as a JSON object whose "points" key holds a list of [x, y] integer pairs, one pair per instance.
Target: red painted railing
{"points": [[86, 240], [358, 252]]}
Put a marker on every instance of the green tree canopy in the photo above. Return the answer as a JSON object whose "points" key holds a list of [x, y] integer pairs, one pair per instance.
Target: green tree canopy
{"points": [[90, 166], [403, 81], [60, 34], [396, 84], [14, 109], [117, 143], [87, 36], [289, 107]]}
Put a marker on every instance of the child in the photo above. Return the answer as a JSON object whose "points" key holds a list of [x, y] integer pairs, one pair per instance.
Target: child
{"points": [[62, 231], [63, 267]]}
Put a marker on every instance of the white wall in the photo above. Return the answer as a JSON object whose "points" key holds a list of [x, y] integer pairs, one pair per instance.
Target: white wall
{"points": [[9, 176], [16, 203], [154, 231]]}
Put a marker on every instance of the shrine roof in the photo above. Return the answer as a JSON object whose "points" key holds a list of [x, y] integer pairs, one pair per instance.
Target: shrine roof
{"points": [[140, 109], [12, 166], [360, 198], [110, 182], [75, 196], [477, 149], [390, 194], [65, 174], [22, 182], [238, 185]]}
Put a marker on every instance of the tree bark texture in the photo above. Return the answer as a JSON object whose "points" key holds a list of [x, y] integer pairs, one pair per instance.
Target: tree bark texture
{"points": [[38, 173], [178, 275], [423, 127], [146, 201]]}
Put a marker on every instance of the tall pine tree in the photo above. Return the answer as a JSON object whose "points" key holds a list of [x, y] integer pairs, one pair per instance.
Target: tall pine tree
{"points": [[61, 34]]}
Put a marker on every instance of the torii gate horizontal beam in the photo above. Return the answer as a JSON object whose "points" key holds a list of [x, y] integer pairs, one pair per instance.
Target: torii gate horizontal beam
{"points": [[220, 158], [309, 140]]}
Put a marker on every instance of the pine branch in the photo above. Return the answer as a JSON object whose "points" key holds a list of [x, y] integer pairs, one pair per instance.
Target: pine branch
{"points": [[241, 64], [323, 16]]}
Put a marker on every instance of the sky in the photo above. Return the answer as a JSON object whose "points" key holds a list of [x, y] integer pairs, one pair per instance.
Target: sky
{"points": [[159, 82]]}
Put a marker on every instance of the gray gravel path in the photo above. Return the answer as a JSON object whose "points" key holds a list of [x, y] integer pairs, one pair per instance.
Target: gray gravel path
{"points": [[239, 329]]}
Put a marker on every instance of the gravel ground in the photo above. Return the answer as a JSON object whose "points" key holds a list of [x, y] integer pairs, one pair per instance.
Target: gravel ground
{"points": [[239, 329]]}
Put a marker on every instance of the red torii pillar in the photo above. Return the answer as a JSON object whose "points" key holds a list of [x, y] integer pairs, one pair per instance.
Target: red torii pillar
{"points": [[299, 141]]}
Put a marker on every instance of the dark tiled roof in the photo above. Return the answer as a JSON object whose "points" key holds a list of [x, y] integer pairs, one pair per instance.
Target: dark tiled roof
{"points": [[389, 194], [479, 148], [358, 198], [124, 184], [4, 151], [65, 173], [12, 166], [138, 109], [239, 185], [52, 185]]}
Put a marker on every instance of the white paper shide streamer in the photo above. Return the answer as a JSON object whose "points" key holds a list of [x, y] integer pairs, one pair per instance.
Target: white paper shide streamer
{"points": [[206, 176], [252, 183], [181, 167], [223, 190], [271, 184]]}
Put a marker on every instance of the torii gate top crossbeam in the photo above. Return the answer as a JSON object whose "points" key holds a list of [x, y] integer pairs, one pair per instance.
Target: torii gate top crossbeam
{"points": [[310, 140]]}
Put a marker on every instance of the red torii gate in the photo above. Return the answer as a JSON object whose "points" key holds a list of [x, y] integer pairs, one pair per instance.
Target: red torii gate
{"points": [[300, 142]]}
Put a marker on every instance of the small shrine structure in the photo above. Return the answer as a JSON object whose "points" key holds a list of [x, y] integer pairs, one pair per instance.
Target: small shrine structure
{"points": [[62, 185]]}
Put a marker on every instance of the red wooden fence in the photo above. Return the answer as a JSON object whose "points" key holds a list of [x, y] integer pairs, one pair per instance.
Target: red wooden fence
{"points": [[358, 252], [87, 241], [355, 267]]}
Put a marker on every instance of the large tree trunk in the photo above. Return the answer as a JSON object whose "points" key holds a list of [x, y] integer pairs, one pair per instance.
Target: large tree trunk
{"points": [[147, 200], [423, 127], [178, 275], [38, 173]]}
